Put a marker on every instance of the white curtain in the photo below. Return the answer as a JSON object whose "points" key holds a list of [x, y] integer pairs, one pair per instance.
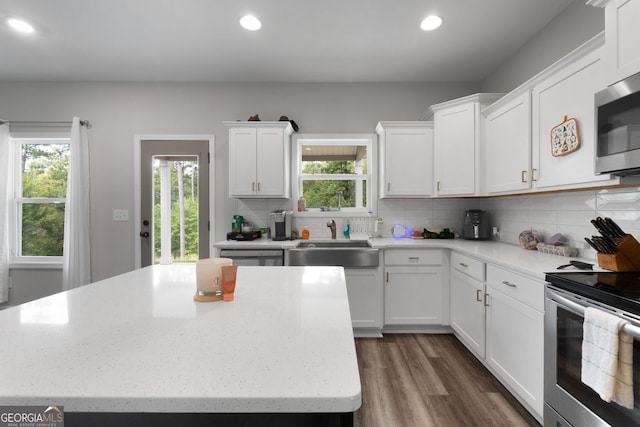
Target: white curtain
{"points": [[5, 192], [76, 269]]}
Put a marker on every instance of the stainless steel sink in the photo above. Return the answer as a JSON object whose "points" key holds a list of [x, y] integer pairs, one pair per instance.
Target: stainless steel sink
{"points": [[345, 253]]}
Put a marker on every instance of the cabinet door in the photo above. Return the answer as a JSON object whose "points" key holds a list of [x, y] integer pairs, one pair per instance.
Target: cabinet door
{"points": [[467, 311], [242, 162], [413, 296], [623, 38], [272, 163], [569, 92], [455, 150], [365, 298], [515, 340], [508, 146], [408, 163]]}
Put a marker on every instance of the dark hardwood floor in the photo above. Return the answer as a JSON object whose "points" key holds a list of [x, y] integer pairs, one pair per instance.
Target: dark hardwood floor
{"points": [[430, 380]]}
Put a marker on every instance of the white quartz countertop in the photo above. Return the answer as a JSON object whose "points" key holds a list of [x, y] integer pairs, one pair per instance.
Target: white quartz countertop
{"points": [[139, 343], [530, 262]]}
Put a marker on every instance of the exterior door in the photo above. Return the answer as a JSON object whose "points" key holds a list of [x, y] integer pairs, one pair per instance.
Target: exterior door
{"points": [[158, 206]]}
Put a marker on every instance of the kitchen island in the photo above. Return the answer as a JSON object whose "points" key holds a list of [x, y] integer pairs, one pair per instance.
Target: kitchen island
{"points": [[136, 349]]}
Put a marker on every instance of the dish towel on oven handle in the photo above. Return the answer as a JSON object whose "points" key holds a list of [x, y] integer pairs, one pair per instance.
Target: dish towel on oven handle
{"points": [[607, 357]]}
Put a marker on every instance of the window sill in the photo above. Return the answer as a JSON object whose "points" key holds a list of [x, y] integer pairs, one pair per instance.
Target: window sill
{"points": [[19, 264], [344, 213]]}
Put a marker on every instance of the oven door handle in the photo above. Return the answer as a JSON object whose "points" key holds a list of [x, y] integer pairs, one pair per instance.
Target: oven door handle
{"points": [[578, 309]]}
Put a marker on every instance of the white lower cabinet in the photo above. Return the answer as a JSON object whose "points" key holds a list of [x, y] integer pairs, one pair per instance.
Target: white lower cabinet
{"points": [[413, 296], [365, 300], [499, 316], [515, 346], [467, 311], [515, 333], [415, 291]]}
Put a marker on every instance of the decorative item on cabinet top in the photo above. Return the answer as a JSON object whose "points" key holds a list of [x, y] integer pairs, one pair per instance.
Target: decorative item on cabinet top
{"points": [[294, 125], [565, 138]]}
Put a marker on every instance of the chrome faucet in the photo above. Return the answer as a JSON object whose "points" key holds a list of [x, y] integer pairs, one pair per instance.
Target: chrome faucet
{"points": [[332, 225]]}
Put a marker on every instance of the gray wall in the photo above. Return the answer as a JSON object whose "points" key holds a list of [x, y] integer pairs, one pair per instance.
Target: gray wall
{"points": [[118, 111], [578, 23]]}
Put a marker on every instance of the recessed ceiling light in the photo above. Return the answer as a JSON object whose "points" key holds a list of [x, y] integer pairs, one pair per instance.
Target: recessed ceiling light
{"points": [[250, 22], [20, 25], [430, 23]]}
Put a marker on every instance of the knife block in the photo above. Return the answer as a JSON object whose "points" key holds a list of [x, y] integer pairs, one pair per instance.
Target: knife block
{"points": [[626, 259]]}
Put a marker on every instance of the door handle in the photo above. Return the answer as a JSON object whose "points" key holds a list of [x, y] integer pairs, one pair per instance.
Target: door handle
{"points": [[144, 234], [486, 303], [523, 176], [478, 292]]}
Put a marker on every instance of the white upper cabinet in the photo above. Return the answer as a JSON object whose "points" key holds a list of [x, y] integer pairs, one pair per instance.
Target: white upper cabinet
{"points": [[518, 155], [406, 159], [568, 92], [259, 162], [457, 134], [507, 145], [623, 38]]}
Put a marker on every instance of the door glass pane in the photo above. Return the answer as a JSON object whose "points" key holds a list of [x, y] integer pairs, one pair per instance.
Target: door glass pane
{"points": [[175, 209]]}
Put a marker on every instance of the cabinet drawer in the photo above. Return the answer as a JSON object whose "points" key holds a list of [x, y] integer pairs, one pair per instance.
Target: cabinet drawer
{"points": [[468, 265], [412, 257], [521, 288]]}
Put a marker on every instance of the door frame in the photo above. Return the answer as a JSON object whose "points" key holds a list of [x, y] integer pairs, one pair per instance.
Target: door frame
{"points": [[138, 140]]}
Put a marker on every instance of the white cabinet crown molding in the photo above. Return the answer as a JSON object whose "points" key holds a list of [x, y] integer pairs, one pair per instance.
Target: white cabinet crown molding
{"points": [[416, 124], [271, 124], [482, 98], [586, 48], [597, 3]]}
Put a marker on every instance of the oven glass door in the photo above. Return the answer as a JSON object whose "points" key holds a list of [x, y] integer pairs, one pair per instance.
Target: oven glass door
{"points": [[568, 362]]}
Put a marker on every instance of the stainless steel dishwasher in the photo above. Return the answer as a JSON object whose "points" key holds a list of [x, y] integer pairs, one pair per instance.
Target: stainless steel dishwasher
{"points": [[259, 257]]}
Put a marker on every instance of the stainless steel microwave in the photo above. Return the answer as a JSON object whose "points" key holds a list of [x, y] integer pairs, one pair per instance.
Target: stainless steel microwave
{"points": [[618, 128]]}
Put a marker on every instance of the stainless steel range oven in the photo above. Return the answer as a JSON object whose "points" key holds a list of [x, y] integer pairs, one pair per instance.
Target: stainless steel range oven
{"points": [[568, 401]]}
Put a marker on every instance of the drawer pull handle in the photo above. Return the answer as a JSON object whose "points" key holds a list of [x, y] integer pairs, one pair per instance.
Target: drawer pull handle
{"points": [[504, 282], [259, 188], [462, 264], [414, 258], [388, 186], [478, 292], [523, 177], [253, 186], [486, 302]]}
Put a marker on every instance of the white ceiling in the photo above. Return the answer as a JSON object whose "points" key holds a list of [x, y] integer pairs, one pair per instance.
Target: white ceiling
{"points": [[300, 40]]}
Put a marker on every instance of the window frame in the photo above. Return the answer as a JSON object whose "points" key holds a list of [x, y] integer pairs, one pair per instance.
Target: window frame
{"points": [[368, 140], [17, 140]]}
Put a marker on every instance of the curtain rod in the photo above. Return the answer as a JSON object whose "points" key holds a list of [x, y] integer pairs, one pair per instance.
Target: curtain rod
{"points": [[43, 123]]}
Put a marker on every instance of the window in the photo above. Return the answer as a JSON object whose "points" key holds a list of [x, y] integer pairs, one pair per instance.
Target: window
{"points": [[334, 173], [40, 188]]}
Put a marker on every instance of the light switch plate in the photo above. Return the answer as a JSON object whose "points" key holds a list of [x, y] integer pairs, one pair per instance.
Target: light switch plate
{"points": [[120, 215]]}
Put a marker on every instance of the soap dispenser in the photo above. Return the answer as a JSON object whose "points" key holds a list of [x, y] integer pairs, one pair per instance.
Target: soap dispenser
{"points": [[347, 228]]}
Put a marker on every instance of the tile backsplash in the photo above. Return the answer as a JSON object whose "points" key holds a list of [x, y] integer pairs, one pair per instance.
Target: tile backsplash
{"points": [[568, 213]]}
